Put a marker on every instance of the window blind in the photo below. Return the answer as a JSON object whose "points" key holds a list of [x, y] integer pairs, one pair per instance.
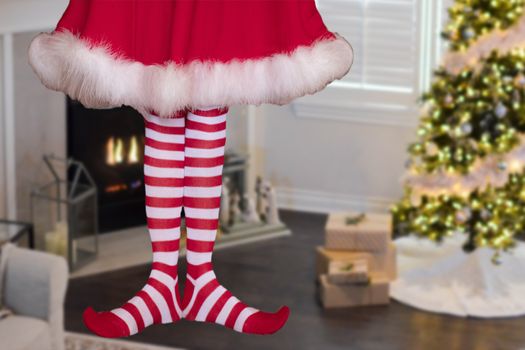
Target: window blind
{"points": [[385, 37], [395, 49]]}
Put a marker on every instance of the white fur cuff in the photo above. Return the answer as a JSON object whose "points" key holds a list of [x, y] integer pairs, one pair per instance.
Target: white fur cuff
{"points": [[99, 78]]}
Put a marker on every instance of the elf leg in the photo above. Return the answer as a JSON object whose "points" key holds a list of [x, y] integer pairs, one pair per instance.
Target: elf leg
{"points": [[204, 298], [158, 301]]}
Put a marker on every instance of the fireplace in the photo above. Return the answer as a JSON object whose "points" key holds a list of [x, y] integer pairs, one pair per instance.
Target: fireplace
{"points": [[110, 143]]}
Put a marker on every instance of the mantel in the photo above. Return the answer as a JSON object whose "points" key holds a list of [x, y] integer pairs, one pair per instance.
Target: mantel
{"points": [[29, 15]]}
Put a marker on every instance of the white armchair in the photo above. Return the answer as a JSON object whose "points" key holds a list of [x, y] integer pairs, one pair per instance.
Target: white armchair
{"points": [[32, 286]]}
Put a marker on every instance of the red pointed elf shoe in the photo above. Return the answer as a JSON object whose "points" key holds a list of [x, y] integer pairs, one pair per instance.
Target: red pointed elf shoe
{"points": [[105, 324], [152, 305], [266, 323], [211, 302]]}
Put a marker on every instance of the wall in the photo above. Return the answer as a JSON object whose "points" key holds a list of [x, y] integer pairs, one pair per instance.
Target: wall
{"points": [[3, 192], [40, 125], [236, 136], [17, 16], [324, 165]]}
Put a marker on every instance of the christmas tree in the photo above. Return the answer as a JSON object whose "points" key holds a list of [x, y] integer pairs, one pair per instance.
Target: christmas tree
{"points": [[465, 174]]}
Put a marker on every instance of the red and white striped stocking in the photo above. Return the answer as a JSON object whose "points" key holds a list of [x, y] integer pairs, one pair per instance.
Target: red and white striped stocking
{"points": [[158, 301], [205, 299]]}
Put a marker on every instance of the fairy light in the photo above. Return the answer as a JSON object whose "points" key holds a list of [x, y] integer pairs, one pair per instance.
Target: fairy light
{"points": [[471, 119], [470, 19]]}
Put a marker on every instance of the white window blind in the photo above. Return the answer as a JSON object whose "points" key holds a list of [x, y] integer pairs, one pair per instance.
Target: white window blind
{"points": [[391, 56], [385, 38]]}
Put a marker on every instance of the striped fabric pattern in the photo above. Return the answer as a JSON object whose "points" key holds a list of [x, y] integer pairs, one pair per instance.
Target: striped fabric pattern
{"points": [[205, 300], [157, 302], [183, 165]]}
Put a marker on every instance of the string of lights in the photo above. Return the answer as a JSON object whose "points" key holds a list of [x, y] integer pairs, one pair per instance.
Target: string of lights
{"points": [[472, 119]]}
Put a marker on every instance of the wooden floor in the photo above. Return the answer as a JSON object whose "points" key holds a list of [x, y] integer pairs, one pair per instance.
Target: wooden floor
{"points": [[281, 271]]}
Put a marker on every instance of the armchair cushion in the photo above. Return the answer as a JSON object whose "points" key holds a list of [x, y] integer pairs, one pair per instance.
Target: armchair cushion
{"points": [[24, 333], [34, 285]]}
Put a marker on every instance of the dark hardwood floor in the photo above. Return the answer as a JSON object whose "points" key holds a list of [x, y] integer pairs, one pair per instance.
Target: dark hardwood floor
{"points": [[282, 271]]}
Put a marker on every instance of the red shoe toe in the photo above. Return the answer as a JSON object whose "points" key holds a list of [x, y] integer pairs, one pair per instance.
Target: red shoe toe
{"points": [[266, 322], [105, 324]]}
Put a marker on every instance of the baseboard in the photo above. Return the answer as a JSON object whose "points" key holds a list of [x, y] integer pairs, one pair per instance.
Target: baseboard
{"points": [[326, 202]]}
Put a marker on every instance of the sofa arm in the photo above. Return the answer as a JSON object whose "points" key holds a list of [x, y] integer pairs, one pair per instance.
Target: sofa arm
{"points": [[34, 285]]}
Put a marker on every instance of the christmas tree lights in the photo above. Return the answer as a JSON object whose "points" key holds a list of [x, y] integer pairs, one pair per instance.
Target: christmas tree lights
{"points": [[470, 19], [465, 172]]}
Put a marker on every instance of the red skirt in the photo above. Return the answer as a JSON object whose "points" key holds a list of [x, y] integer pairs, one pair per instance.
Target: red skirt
{"points": [[167, 55]]}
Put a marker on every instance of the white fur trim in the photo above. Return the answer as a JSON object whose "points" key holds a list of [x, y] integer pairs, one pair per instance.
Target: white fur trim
{"points": [[503, 41], [100, 78]]}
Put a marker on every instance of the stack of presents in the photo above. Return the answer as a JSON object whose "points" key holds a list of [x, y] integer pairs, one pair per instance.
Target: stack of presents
{"points": [[358, 261]]}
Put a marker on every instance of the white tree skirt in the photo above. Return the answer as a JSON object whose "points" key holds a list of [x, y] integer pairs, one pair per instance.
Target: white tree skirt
{"points": [[444, 279]]}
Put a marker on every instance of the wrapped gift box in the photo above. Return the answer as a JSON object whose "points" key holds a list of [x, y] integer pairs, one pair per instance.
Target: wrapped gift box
{"points": [[343, 272], [378, 263], [377, 292], [371, 233]]}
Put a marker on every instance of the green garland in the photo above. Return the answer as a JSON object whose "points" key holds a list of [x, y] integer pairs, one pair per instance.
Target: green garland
{"points": [[470, 19], [471, 115]]}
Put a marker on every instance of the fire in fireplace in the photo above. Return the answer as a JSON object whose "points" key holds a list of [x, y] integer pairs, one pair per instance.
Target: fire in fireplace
{"points": [[118, 153], [110, 143]]}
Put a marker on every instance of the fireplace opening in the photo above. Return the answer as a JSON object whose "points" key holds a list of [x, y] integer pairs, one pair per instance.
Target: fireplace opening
{"points": [[110, 143]]}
